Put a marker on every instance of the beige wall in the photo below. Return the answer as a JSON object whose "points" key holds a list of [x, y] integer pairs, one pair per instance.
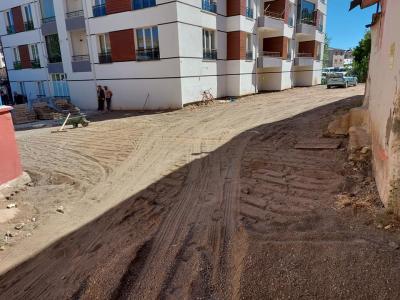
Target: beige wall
{"points": [[383, 98]]}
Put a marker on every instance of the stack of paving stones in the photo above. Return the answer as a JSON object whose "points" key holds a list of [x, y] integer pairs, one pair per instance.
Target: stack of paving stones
{"points": [[21, 114], [44, 112], [66, 106]]}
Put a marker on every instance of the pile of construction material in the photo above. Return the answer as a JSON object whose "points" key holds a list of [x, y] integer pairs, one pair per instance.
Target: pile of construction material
{"points": [[65, 106], [21, 114], [44, 112]]}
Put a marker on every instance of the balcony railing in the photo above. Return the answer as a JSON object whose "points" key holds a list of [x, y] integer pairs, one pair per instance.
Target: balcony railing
{"points": [[305, 55], [29, 25], [35, 64], [105, 58], [210, 54], [249, 55], [309, 18], [249, 12], [271, 54], [10, 29], [78, 58], [74, 14], [49, 19], [209, 5], [274, 14], [148, 54], [99, 10], [17, 65], [56, 58]]}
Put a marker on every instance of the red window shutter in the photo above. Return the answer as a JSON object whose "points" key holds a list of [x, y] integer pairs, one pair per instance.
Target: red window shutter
{"points": [[117, 6], [25, 58], [18, 20], [123, 45]]}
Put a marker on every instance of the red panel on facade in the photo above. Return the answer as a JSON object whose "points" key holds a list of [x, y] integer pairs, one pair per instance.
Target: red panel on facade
{"points": [[236, 7], [10, 165], [236, 45], [123, 45], [117, 6], [277, 44], [18, 19], [24, 55], [308, 47]]}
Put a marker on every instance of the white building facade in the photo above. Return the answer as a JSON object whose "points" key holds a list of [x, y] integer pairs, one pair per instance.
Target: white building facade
{"points": [[160, 54]]}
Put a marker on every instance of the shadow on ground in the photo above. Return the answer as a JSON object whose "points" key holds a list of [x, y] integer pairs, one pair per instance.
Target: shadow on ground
{"points": [[252, 219]]}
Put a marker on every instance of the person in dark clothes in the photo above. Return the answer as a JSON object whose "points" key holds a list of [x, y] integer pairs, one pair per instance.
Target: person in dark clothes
{"points": [[109, 95], [101, 96]]}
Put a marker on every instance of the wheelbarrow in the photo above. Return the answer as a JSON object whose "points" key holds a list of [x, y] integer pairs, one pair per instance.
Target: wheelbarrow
{"points": [[75, 121]]}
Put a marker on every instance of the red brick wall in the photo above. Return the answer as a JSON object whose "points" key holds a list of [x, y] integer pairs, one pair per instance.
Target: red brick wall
{"points": [[236, 7], [123, 45], [308, 47], [277, 44], [236, 45], [24, 55], [117, 6], [18, 20]]}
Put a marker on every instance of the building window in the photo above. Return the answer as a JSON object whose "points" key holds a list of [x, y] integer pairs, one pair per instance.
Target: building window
{"points": [[60, 85], [209, 49], [28, 18], [319, 52], [34, 55], [307, 11], [139, 4], [105, 49], [9, 22], [41, 89], [249, 46], [147, 44], [249, 9], [289, 49], [99, 8], [320, 24], [209, 5], [47, 8], [53, 48], [17, 59]]}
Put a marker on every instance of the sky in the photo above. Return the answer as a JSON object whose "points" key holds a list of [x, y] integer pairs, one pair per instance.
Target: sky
{"points": [[346, 28]]}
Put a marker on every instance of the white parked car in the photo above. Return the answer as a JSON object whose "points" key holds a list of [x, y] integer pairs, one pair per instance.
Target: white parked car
{"points": [[340, 80]]}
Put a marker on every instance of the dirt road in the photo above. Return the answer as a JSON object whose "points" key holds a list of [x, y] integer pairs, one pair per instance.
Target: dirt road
{"points": [[209, 202]]}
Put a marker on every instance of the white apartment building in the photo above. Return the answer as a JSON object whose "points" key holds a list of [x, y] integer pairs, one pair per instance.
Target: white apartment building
{"points": [[158, 54]]}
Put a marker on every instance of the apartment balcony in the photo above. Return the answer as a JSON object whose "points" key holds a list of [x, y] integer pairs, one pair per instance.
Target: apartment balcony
{"points": [[210, 6], [81, 63], [105, 58], [75, 20], [29, 25], [49, 26], [304, 60], [210, 54], [268, 59], [148, 54], [272, 21], [99, 10], [55, 64]]}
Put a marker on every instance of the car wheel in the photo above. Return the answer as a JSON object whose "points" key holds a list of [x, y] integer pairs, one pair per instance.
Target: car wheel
{"points": [[328, 86]]}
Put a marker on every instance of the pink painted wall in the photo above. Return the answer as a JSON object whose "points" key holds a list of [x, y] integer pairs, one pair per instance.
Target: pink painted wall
{"points": [[10, 164], [383, 100]]}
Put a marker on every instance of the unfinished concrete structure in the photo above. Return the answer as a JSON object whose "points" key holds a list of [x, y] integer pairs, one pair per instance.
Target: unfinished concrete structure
{"points": [[382, 98]]}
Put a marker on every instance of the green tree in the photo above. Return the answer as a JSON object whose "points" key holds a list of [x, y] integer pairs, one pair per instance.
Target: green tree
{"points": [[327, 42], [361, 55]]}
